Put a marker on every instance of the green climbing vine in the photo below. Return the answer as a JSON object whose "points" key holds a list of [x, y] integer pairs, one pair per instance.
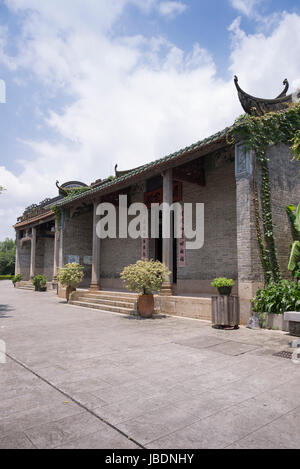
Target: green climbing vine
{"points": [[258, 133], [265, 260], [76, 191], [57, 212]]}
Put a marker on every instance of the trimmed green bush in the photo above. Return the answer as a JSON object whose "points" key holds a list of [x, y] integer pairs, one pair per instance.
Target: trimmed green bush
{"points": [[71, 275], [223, 282], [39, 282], [277, 298], [16, 278], [145, 277], [6, 277]]}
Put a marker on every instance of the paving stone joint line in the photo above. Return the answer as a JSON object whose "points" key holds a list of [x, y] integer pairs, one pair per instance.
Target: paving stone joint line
{"points": [[74, 400]]}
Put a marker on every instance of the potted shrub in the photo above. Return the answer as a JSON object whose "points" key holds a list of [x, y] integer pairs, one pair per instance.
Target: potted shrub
{"points": [[224, 285], [40, 282], [16, 279], [145, 278], [272, 302], [70, 277]]}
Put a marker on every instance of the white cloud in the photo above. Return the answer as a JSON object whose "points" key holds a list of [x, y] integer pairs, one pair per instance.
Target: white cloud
{"points": [[134, 99], [246, 7], [262, 61], [171, 9]]}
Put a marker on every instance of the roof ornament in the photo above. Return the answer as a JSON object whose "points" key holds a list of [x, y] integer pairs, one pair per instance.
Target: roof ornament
{"points": [[259, 106], [61, 190]]}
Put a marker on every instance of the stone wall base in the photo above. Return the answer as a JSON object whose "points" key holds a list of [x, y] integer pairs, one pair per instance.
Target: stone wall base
{"points": [[247, 291], [191, 307], [276, 322]]}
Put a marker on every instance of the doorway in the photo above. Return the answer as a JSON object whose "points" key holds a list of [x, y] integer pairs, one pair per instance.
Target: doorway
{"points": [[159, 247]]}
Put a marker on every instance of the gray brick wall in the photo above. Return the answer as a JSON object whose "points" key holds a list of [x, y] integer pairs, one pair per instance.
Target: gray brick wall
{"points": [[24, 259], [218, 257], [78, 240], [48, 258], [44, 257], [118, 253]]}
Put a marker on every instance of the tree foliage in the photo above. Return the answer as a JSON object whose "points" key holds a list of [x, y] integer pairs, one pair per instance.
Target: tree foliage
{"points": [[294, 217], [7, 257]]}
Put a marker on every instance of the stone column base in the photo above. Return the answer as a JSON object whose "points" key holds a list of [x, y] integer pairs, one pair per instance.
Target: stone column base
{"points": [[247, 290], [167, 290], [94, 287]]}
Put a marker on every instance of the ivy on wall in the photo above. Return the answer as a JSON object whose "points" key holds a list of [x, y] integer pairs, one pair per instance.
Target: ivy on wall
{"points": [[76, 191], [70, 194], [258, 133], [57, 212]]}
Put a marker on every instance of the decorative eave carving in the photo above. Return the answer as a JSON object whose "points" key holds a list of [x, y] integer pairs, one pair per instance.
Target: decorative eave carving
{"points": [[259, 106]]}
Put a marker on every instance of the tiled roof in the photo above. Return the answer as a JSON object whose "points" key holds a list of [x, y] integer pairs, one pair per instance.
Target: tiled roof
{"points": [[29, 221], [142, 169]]}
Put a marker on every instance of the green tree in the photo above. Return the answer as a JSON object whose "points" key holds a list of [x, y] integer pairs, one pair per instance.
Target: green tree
{"points": [[294, 217], [7, 257]]}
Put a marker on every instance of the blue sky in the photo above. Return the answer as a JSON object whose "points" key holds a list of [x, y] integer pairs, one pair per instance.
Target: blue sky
{"points": [[92, 83]]}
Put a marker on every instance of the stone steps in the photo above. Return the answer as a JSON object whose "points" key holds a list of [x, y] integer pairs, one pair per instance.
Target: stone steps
{"points": [[25, 285], [102, 307], [115, 302], [128, 299], [109, 302], [113, 294]]}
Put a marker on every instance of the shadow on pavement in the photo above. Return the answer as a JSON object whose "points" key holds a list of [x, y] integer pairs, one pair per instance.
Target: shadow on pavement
{"points": [[5, 309], [139, 318]]}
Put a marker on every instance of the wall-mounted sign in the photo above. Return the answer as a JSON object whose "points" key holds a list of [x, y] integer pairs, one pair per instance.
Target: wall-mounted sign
{"points": [[181, 243], [73, 259], [88, 260], [145, 249]]}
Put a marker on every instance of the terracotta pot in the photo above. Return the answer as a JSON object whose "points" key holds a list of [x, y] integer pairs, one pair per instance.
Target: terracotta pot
{"points": [[69, 290], [146, 306]]}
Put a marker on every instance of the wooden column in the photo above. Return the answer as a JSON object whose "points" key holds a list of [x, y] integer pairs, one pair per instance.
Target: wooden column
{"points": [[168, 241], [95, 284], [33, 251], [56, 252]]}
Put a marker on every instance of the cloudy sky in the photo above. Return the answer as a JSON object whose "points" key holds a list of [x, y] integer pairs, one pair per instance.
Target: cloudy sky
{"points": [[92, 83]]}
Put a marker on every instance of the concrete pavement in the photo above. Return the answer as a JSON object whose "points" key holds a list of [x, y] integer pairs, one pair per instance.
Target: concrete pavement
{"points": [[78, 378]]}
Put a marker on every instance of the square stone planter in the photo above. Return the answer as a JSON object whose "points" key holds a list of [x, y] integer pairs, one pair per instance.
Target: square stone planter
{"points": [[293, 320], [276, 322]]}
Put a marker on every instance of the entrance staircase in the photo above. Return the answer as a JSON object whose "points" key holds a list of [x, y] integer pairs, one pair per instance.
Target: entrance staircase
{"points": [[25, 285], [112, 301]]}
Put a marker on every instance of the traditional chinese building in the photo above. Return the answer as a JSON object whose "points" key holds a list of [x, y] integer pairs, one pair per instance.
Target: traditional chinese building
{"points": [[214, 172]]}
